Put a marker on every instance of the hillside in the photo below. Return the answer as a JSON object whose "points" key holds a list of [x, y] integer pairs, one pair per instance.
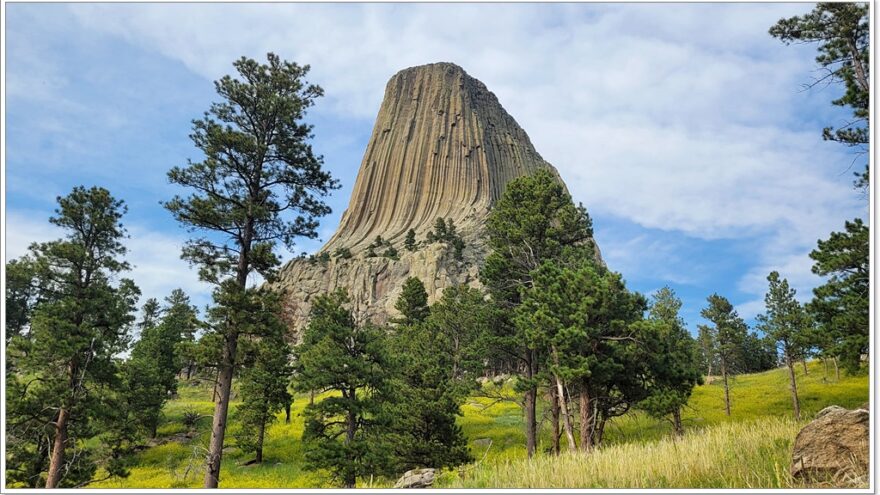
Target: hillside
{"points": [[753, 444]]}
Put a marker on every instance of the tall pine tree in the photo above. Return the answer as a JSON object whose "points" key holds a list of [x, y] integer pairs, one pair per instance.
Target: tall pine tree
{"points": [[68, 367], [259, 184]]}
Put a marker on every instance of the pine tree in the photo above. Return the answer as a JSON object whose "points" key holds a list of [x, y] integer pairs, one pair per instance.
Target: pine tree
{"points": [[265, 375], [350, 361], [580, 316], [412, 304], [258, 167], [438, 359], [145, 374], [674, 367], [841, 305], [534, 221], [21, 293], [842, 33], [410, 242], [69, 367], [728, 333], [182, 322], [785, 323]]}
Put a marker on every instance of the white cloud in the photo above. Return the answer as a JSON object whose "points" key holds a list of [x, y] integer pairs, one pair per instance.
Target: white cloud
{"points": [[685, 118]]}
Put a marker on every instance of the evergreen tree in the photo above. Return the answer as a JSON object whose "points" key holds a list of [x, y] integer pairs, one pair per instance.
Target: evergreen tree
{"points": [[534, 221], [351, 361], [842, 33], [728, 333], [841, 305], [149, 374], [580, 316], [440, 232], [266, 372], [21, 293], [182, 323], [258, 169], [410, 242], [674, 365], [412, 304], [785, 323], [438, 359], [68, 373], [706, 340]]}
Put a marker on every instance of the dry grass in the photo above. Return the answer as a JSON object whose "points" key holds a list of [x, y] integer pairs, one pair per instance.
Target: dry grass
{"points": [[752, 454]]}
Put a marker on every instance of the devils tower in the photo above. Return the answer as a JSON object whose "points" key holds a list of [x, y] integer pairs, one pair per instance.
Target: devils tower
{"points": [[442, 147]]}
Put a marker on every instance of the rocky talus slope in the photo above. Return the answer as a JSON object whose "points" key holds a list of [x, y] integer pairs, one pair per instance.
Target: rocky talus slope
{"points": [[442, 147]]}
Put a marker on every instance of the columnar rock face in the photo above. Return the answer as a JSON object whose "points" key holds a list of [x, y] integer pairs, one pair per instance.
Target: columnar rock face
{"points": [[442, 147]]}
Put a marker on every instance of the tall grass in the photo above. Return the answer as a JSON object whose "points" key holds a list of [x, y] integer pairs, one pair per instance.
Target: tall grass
{"points": [[751, 448], [752, 454]]}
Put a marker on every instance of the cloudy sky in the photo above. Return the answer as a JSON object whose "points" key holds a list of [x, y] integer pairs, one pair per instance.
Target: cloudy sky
{"points": [[684, 129]]}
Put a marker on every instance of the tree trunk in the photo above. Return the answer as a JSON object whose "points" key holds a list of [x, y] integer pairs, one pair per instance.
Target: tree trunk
{"points": [[825, 362], [349, 480], [189, 370], [586, 408], [804, 362], [859, 69], [221, 410], [793, 386], [676, 422], [709, 375], [836, 369], [531, 399], [554, 419], [287, 413], [216, 385], [260, 436], [600, 431], [56, 461], [566, 419], [726, 388]]}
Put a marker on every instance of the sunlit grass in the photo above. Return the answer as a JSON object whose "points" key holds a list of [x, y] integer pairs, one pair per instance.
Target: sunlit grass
{"points": [[760, 403]]}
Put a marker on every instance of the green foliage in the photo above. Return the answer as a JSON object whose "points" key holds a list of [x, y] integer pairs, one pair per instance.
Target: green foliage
{"points": [[410, 241], [258, 165], [21, 293], [445, 231], [729, 331], [438, 359], [67, 376], [673, 361], [390, 252], [342, 252], [841, 305], [785, 322], [534, 221], [380, 243], [265, 376], [342, 431], [259, 184], [580, 316], [322, 258], [412, 302], [842, 33]]}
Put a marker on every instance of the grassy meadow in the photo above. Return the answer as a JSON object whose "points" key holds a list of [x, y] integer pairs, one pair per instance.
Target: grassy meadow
{"points": [[749, 449]]}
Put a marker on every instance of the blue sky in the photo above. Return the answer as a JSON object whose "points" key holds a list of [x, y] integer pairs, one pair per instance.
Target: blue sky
{"points": [[683, 128]]}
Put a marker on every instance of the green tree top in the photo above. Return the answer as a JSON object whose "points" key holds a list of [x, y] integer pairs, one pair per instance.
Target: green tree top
{"points": [[258, 167]]}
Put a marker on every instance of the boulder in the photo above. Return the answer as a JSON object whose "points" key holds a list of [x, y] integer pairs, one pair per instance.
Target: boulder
{"points": [[833, 447], [416, 478]]}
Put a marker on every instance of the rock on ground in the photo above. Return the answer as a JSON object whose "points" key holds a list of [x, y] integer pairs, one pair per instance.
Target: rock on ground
{"points": [[834, 446], [416, 478]]}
